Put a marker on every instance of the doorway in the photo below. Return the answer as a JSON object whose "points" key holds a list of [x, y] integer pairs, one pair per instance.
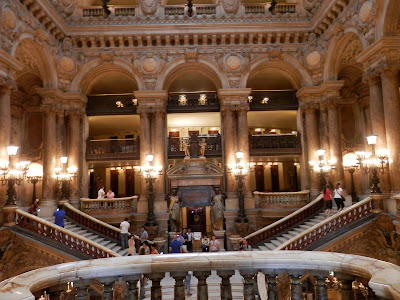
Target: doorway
{"points": [[260, 185], [196, 219], [275, 178], [130, 182], [114, 181]]}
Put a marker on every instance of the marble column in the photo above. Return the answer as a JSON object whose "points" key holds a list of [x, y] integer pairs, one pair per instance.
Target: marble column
{"points": [[335, 141], [48, 203], [61, 134], [202, 287], [391, 104], [378, 124], [312, 144], [5, 120], [243, 143], [396, 222], [73, 154], [159, 156], [145, 144], [324, 129], [84, 182]]}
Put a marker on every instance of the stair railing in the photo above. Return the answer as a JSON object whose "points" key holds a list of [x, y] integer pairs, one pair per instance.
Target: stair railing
{"points": [[92, 223], [286, 223], [66, 237], [329, 225]]}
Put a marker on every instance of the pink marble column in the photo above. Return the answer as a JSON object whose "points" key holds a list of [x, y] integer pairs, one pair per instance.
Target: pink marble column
{"points": [[229, 133], [5, 120], [391, 104], [74, 145], [159, 151], [378, 124], [335, 141], [312, 144], [145, 142], [243, 142], [61, 134], [48, 202], [324, 129]]}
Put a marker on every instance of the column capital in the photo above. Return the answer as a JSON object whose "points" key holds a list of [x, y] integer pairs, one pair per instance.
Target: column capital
{"points": [[327, 90], [6, 85], [309, 107]]}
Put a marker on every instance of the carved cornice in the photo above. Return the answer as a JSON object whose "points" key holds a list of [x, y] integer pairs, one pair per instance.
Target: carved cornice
{"points": [[325, 91]]}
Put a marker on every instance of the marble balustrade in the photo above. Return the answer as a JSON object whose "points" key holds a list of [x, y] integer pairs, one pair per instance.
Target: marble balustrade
{"points": [[95, 207], [333, 223], [267, 199], [383, 278]]}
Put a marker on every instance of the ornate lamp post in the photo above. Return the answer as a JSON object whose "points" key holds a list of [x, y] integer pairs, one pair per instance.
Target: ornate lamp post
{"points": [[150, 173], [322, 167], [34, 175], [240, 171], [351, 164], [64, 175], [373, 162], [12, 173]]}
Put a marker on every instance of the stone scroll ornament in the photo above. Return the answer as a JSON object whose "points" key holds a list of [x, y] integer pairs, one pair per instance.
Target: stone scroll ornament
{"points": [[148, 7], [231, 6]]}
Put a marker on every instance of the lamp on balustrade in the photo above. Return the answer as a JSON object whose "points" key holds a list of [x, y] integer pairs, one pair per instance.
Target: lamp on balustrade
{"points": [[322, 166], [240, 170], [373, 162], [12, 173], [64, 175], [34, 175], [351, 164], [150, 173]]}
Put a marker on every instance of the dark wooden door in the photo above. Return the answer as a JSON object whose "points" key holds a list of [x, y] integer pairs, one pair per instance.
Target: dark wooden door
{"points": [[196, 219], [92, 188], [259, 171], [275, 178], [114, 181], [130, 182]]}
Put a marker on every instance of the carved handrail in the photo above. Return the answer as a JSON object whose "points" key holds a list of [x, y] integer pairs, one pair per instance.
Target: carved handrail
{"points": [[282, 197], [92, 223], [68, 238], [96, 206], [331, 224], [287, 222], [382, 277]]}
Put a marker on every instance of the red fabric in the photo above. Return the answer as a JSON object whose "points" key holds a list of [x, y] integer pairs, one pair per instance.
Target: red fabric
{"points": [[327, 195]]}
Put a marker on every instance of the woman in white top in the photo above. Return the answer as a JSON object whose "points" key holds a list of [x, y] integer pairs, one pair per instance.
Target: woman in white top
{"points": [[339, 197], [101, 194], [214, 244]]}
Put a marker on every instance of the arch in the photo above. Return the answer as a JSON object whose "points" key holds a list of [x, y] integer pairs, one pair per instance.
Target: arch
{"points": [[287, 66], [40, 55], [203, 65], [349, 44], [387, 18], [93, 70]]}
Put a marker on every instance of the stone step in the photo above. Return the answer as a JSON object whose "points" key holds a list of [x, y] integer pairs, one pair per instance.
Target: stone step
{"points": [[282, 239], [262, 248], [303, 227], [276, 243], [288, 235], [270, 246]]}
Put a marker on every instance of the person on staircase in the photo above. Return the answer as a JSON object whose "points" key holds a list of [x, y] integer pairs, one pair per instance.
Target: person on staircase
{"points": [[339, 197], [124, 233], [327, 194]]}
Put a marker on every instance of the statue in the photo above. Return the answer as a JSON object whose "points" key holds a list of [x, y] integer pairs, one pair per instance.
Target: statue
{"points": [[186, 148], [217, 211], [202, 145], [174, 212]]}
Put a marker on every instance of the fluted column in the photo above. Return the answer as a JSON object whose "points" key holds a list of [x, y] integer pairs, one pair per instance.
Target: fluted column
{"points": [[73, 153], [226, 288], [378, 127], [179, 288], [159, 152], [391, 104], [229, 136], [48, 202], [156, 291], [312, 144], [202, 287], [335, 140]]}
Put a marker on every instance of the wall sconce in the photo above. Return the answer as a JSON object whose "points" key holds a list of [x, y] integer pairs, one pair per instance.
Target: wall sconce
{"points": [[182, 101]]}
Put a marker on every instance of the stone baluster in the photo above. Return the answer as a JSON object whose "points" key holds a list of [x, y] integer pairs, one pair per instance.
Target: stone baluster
{"points": [[82, 287], [202, 287], [347, 289], [226, 288], [132, 287], [156, 292], [179, 288], [391, 104], [248, 284], [108, 292], [271, 284], [377, 117], [296, 287], [321, 288]]}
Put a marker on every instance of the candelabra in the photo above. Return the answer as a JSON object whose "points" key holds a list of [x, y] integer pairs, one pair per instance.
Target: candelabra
{"points": [[34, 175], [373, 162], [322, 167], [12, 173], [64, 175], [351, 164], [150, 173], [240, 170]]}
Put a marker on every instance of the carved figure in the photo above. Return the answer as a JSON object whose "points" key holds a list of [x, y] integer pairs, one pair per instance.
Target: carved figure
{"points": [[186, 148], [174, 212], [217, 211], [202, 145]]}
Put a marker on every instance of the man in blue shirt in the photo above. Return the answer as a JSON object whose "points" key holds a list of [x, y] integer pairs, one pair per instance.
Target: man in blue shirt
{"points": [[59, 216], [175, 246]]}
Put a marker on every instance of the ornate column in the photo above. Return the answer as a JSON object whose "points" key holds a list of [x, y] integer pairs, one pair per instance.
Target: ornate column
{"points": [[61, 133], [202, 287], [391, 104]]}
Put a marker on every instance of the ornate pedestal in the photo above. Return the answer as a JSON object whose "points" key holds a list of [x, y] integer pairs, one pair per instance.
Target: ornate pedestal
{"points": [[234, 242], [377, 203], [220, 235], [9, 215]]}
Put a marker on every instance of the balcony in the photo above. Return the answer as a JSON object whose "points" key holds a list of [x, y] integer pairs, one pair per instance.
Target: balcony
{"points": [[115, 104], [275, 144], [193, 102], [263, 100], [109, 149], [176, 146]]}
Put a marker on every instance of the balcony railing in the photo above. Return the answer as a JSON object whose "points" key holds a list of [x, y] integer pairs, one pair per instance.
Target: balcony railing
{"points": [[111, 104], [263, 8], [193, 102], [176, 146], [270, 144], [113, 149], [275, 203], [273, 100], [381, 279], [98, 11]]}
